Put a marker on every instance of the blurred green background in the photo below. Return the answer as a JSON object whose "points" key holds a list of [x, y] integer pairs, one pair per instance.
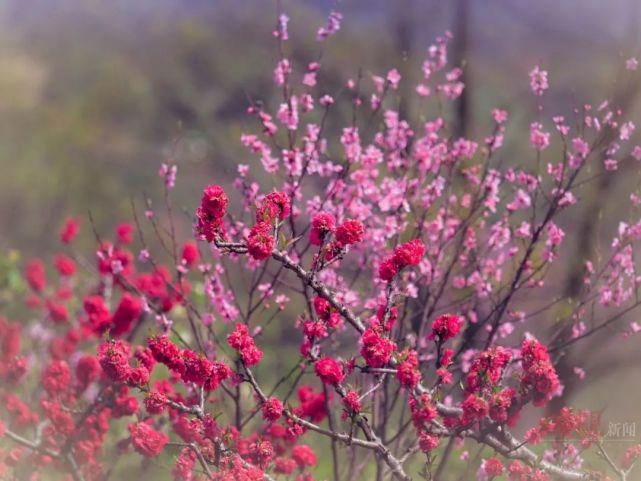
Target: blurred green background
{"points": [[94, 95]]}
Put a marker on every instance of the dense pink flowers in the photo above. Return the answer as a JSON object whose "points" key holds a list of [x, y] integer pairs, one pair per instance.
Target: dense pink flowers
{"points": [[155, 402], [423, 411], [98, 316], [539, 138], [388, 269], [197, 368], [312, 404], [166, 352], [631, 454], [87, 371], [490, 468]]}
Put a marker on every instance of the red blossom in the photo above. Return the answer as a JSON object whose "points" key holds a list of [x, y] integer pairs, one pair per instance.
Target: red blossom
{"points": [[493, 467], [211, 212], [64, 265], [409, 254], [474, 408], [539, 374], [114, 359], [423, 411], [214, 201], [98, 317], [428, 442], [323, 225], [388, 269], [87, 371], [446, 327], [128, 311], [407, 371], [272, 409], [260, 242], [57, 312], [125, 233], [56, 378], [166, 352], [376, 349], [146, 440], [261, 453], [242, 342], [284, 466], [35, 274], [312, 404], [155, 402], [352, 403], [70, 372], [304, 456], [69, 230], [329, 370], [350, 232], [275, 205], [190, 254]]}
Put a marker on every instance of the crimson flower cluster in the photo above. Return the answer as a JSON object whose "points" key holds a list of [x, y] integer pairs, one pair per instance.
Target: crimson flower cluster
{"points": [[405, 255], [243, 343]]}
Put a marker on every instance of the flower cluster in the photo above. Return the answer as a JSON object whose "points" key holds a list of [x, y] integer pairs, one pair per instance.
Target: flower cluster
{"points": [[376, 348], [243, 343], [446, 327], [329, 370], [211, 213], [146, 440], [539, 375], [408, 254]]}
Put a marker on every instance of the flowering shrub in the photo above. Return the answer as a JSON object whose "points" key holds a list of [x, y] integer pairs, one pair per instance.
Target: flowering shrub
{"points": [[403, 253]]}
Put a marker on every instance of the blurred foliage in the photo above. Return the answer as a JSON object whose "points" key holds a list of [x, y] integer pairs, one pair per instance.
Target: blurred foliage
{"points": [[12, 285]]}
